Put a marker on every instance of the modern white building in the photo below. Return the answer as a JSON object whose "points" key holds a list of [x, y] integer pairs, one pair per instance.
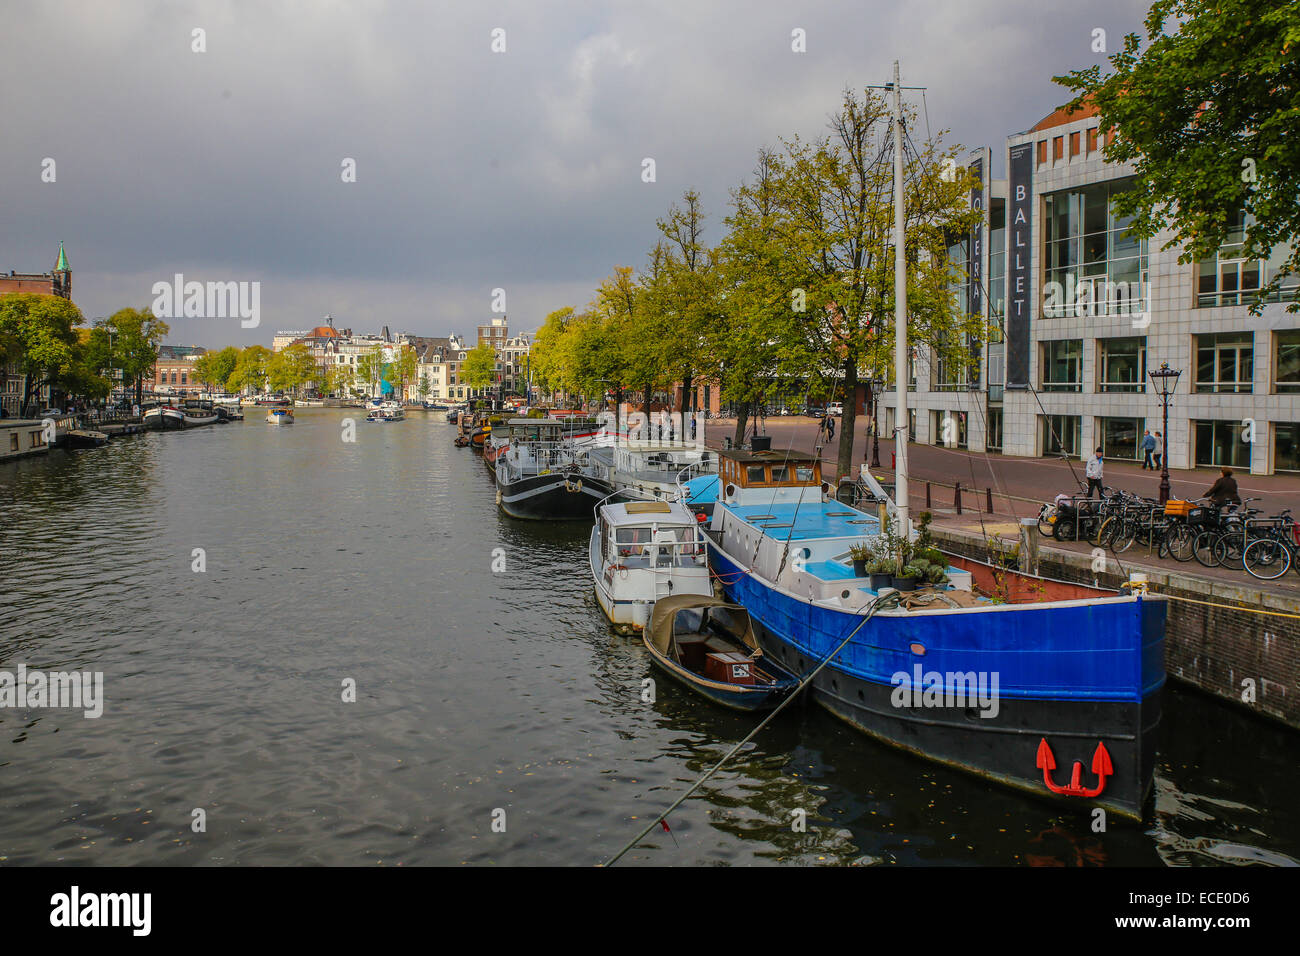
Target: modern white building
{"points": [[1079, 312]]}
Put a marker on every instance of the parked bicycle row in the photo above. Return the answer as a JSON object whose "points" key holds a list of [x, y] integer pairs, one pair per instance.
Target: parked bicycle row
{"points": [[1214, 530]]}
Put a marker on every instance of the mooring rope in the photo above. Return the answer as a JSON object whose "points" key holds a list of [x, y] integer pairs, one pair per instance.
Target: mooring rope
{"points": [[875, 605]]}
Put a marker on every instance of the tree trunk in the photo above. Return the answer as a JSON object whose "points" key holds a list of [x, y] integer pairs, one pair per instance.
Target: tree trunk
{"points": [[649, 426], [742, 421], [688, 394], [844, 462]]}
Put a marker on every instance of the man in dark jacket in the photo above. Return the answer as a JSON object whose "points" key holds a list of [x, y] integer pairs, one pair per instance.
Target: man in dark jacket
{"points": [[1225, 489]]}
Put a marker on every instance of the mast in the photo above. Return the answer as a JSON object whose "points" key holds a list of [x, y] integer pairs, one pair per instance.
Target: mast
{"points": [[901, 418]]}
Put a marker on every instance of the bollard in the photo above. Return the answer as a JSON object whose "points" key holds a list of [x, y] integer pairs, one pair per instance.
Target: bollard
{"points": [[1029, 545], [927, 496], [988, 500], [956, 497]]}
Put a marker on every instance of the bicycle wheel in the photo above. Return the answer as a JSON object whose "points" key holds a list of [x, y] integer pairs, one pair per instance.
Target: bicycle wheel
{"points": [[1203, 549], [1064, 529], [1266, 559], [1045, 524], [1228, 550], [1182, 543], [1106, 531], [1123, 537]]}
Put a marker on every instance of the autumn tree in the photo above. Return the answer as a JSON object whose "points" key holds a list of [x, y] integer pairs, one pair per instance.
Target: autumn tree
{"points": [[38, 334]]}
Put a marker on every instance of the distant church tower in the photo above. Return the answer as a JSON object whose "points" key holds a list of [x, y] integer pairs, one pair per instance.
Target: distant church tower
{"points": [[62, 275]]}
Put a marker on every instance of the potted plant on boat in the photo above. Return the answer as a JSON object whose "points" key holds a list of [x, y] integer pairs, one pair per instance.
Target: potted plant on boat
{"points": [[907, 580], [881, 573], [861, 554]]}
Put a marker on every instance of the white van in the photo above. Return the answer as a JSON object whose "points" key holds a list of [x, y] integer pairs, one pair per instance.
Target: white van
{"points": [[835, 408]]}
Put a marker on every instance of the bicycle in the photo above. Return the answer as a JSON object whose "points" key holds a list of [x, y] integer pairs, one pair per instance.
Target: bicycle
{"points": [[1274, 553]]}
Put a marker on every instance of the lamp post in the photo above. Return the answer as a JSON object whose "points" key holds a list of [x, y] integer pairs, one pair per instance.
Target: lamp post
{"points": [[1165, 379], [877, 385]]}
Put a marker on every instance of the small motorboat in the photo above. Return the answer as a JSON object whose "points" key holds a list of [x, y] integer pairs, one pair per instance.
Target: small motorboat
{"points": [[85, 438], [708, 644], [279, 416], [385, 412]]}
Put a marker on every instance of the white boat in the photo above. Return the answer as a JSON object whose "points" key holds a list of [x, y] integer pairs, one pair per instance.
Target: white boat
{"points": [[655, 469], [642, 551], [279, 416], [308, 402], [385, 412]]}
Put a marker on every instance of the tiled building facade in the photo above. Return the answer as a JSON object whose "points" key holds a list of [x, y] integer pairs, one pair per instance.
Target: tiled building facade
{"points": [[1079, 312]]}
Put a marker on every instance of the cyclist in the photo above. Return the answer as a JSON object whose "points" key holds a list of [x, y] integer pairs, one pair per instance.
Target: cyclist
{"points": [[1224, 490]]}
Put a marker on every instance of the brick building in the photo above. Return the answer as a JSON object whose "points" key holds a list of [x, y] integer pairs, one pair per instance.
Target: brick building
{"points": [[56, 282]]}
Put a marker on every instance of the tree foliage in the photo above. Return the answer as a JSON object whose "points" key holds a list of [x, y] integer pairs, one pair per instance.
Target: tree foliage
{"points": [[1208, 113]]}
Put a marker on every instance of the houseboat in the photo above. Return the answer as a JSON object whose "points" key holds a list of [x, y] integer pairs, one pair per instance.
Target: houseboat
{"points": [[1002, 674], [656, 469], [279, 416], [546, 472], [641, 551]]}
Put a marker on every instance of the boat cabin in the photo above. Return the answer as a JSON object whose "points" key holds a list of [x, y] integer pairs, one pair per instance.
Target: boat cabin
{"points": [[650, 534], [748, 476]]}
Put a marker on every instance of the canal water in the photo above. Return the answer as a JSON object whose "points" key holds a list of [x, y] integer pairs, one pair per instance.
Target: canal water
{"points": [[485, 681]]}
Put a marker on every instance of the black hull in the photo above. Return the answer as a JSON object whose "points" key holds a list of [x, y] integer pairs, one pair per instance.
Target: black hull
{"points": [[546, 497], [1003, 748]]}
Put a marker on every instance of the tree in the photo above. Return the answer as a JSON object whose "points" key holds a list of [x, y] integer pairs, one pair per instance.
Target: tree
{"points": [[250, 370], [834, 221], [38, 333], [370, 367], [402, 370], [480, 366], [290, 369], [214, 368], [137, 333], [1209, 116], [547, 366]]}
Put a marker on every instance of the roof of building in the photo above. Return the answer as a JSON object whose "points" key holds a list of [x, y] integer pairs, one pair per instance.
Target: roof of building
{"points": [[1059, 117], [62, 264]]}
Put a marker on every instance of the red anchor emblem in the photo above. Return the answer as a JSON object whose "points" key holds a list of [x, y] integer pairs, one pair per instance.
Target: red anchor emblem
{"points": [[1101, 766]]}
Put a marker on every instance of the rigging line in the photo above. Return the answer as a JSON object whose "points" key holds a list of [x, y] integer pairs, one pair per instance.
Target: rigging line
{"points": [[875, 605]]}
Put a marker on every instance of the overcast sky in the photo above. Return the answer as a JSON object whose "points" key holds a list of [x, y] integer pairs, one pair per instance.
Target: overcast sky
{"points": [[474, 170]]}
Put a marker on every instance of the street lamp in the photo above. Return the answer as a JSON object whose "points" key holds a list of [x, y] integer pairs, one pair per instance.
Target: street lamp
{"points": [[1165, 379], [877, 385]]}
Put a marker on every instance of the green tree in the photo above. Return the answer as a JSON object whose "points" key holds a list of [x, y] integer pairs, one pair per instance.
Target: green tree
{"points": [[547, 351], [290, 369], [137, 333], [401, 371], [479, 367], [1208, 114], [38, 334], [370, 368], [213, 369], [250, 370]]}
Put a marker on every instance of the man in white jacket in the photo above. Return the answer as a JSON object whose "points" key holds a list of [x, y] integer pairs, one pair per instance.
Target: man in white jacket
{"points": [[1093, 473]]}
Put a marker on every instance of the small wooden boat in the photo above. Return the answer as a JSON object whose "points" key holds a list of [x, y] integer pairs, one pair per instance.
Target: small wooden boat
{"points": [[85, 438], [279, 416], [708, 644]]}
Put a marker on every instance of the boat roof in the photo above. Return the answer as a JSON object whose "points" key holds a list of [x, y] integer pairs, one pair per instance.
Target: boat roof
{"points": [[778, 456], [659, 631], [807, 520], [643, 513]]}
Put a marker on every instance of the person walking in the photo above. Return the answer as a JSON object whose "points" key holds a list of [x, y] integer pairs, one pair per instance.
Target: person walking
{"points": [[1159, 455], [1224, 489], [830, 428], [1148, 449], [1092, 471]]}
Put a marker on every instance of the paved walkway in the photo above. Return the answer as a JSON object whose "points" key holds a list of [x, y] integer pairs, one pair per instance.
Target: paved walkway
{"points": [[1020, 485]]}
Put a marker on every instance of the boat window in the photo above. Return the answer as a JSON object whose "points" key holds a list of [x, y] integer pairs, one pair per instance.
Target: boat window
{"points": [[803, 473], [780, 473], [754, 474]]}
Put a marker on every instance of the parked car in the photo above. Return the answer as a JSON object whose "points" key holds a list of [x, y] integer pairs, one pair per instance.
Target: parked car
{"points": [[816, 413], [835, 408]]}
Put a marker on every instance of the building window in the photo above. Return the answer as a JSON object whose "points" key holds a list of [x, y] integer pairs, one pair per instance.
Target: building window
{"points": [[1220, 443], [994, 439], [1092, 140], [1287, 376], [1225, 362], [1074, 145], [1042, 151], [948, 429], [1062, 363], [1286, 446], [1122, 364], [997, 288], [1230, 279], [1058, 148], [1119, 437], [1091, 264], [1060, 434]]}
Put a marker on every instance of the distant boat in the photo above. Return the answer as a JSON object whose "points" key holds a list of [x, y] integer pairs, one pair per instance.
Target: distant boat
{"points": [[164, 418], [309, 402], [545, 472], [279, 416], [642, 551], [85, 438], [709, 645]]}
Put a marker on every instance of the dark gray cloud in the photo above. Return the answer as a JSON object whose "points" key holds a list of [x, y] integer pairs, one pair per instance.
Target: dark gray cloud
{"points": [[475, 170]]}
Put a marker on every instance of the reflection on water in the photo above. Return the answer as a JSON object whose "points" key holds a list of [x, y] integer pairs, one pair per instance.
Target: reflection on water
{"points": [[371, 562]]}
